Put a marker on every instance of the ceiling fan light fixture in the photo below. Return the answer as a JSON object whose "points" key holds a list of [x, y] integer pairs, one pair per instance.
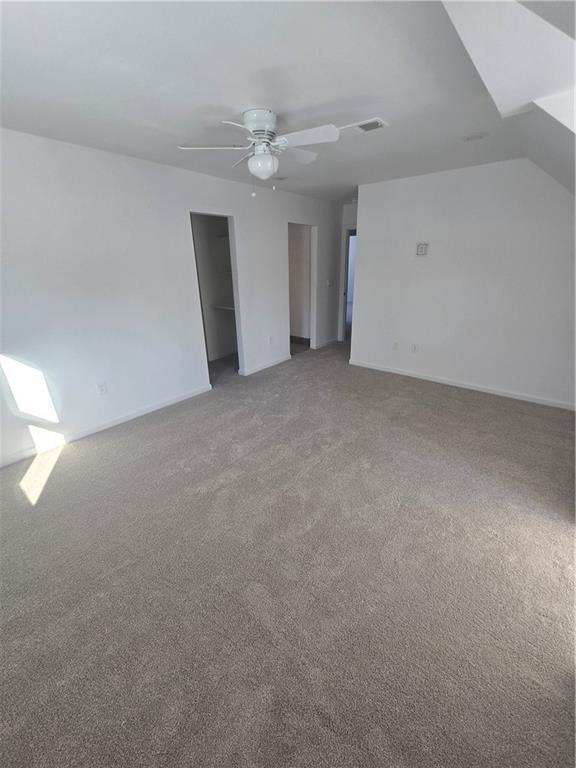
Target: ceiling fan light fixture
{"points": [[263, 165]]}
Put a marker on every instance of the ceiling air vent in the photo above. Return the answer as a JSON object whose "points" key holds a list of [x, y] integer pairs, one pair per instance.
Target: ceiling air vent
{"points": [[476, 136], [371, 125], [374, 124]]}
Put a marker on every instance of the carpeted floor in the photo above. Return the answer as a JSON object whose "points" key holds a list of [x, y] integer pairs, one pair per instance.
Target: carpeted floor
{"points": [[223, 369], [318, 565], [298, 345]]}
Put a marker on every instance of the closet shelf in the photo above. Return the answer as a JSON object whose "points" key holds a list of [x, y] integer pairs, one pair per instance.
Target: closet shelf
{"points": [[221, 306]]}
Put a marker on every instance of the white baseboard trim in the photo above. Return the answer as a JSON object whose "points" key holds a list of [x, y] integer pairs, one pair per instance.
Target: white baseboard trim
{"points": [[464, 385], [14, 458], [71, 437], [250, 371]]}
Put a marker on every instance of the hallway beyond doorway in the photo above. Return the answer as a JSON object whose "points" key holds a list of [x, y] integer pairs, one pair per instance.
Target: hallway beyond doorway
{"points": [[350, 276]]}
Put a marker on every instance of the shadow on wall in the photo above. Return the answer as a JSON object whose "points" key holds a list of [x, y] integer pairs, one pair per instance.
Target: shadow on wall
{"points": [[32, 399]]}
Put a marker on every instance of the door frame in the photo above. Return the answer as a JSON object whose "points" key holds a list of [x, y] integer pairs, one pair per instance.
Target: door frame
{"points": [[350, 232]]}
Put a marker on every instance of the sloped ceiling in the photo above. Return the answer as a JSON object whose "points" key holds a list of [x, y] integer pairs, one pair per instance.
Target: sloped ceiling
{"points": [[560, 13], [527, 65]]}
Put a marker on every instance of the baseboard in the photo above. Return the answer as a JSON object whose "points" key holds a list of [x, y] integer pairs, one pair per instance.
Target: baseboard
{"points": [[14, 458], [464, 385], [250, 371], [71, 437]]}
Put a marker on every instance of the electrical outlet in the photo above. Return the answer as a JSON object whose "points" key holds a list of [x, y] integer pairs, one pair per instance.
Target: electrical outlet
{"points": [[102, 388], [270, 339], [422, 249]]}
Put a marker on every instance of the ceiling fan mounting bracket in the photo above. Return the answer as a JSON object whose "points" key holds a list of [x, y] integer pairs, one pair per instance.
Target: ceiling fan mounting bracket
{"points": [[260, 120]]}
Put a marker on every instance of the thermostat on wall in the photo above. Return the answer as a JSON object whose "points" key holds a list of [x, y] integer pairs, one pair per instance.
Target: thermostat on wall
{"points": [[421, 249]]}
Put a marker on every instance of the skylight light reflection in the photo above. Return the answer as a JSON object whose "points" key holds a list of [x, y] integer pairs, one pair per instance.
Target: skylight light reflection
{"points": [[37, 474], [29, 389], [45, 439]]}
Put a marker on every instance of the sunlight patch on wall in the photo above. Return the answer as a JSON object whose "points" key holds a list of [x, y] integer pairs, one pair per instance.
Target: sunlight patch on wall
{"points": [[29, 389], [32, 397], [45, 439], [37, 474]]}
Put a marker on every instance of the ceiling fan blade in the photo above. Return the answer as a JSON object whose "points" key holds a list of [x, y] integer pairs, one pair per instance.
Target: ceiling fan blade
{"points": [[302, 156], [183, 146], [236, 125], [242, 159], [319, 135]]}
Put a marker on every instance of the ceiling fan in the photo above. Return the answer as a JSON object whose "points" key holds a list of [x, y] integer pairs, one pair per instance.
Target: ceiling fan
{"points": [[264, 145]]}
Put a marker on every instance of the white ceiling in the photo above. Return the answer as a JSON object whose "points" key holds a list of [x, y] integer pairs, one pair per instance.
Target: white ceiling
{"points": [[560, 13], [140, 78]]}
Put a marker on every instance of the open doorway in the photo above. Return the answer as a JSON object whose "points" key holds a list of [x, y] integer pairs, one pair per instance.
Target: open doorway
{"points": [[212, 247], [300, 286], [349, 287]]}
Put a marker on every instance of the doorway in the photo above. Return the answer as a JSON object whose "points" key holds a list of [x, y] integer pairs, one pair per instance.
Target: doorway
{"points": [[212, 248], [300, 286], [349, 284]]}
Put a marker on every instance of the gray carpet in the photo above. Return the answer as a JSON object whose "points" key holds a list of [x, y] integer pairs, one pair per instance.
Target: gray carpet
{"points": [[317, 565], [223, 369]]}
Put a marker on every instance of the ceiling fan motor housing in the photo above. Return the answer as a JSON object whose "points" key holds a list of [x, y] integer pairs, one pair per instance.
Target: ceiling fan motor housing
{"points": [[261, 123]]}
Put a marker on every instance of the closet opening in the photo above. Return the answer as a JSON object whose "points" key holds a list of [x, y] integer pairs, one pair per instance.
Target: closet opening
{"points": [[216, 280]]}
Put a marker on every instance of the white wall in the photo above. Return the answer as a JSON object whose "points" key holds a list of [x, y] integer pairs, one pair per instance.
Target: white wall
{"points": [[299, 277], [99, 282], [348, 221], [212, 251], [492, 305]]}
